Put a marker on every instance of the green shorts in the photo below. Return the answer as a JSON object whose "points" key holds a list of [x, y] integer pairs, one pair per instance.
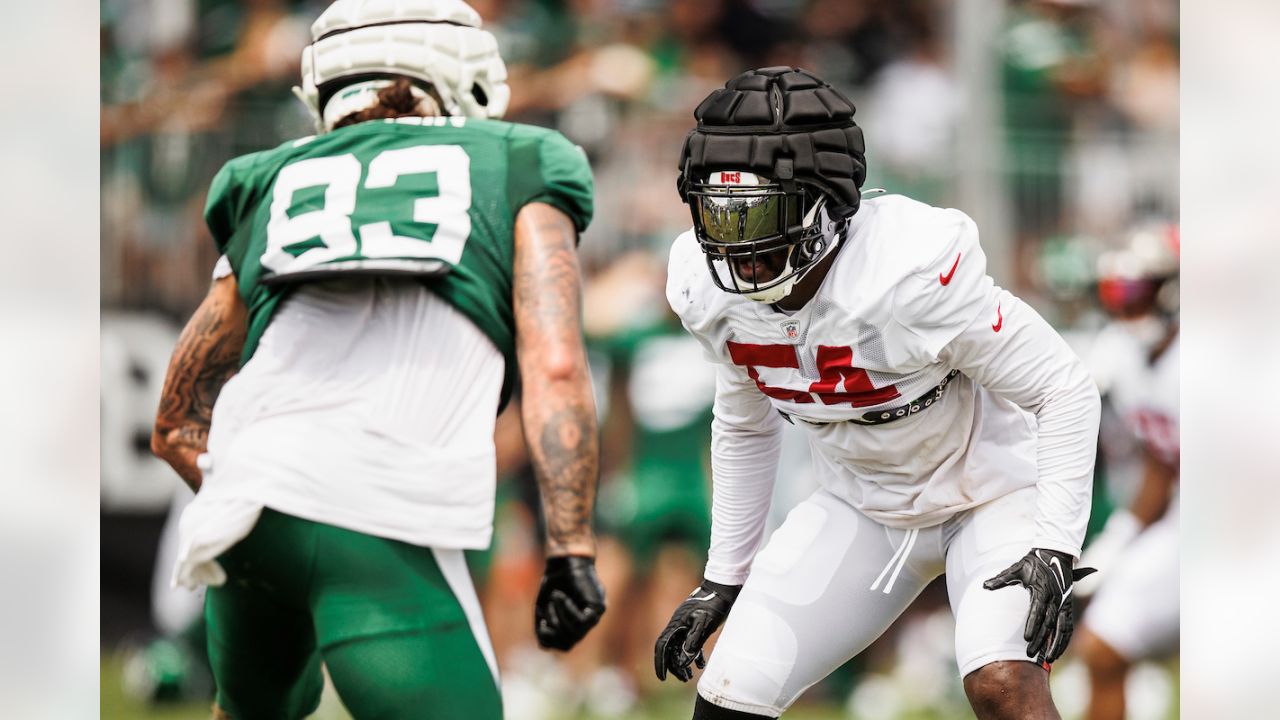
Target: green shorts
{"points": [[649, 511], [397, 625]]}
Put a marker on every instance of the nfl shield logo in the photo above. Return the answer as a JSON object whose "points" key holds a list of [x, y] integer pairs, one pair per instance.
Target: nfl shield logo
{"points": [[791, 329]]}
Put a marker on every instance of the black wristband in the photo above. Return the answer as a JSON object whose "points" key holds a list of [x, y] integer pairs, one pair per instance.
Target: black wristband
{"points": [[730, 592], [565, 564]]}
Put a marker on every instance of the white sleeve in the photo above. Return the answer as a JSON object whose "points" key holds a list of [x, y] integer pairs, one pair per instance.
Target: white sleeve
{"points": [[1011, 351], [746, 438], [222, 268]]}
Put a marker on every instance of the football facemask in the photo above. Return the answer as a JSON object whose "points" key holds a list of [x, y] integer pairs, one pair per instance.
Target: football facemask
{"points": [[758, 238]]}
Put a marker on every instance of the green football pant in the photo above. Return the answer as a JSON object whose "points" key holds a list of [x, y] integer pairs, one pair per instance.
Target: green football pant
{"points": [[398, 626]]}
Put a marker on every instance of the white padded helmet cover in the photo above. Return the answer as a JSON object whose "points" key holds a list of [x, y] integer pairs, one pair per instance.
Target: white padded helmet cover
{"points": [[436, 41]]}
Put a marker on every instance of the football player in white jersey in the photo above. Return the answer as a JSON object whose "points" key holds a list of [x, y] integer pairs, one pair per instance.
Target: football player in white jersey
{"points": [[952, 429], [1134, 614], [1137, 285]]}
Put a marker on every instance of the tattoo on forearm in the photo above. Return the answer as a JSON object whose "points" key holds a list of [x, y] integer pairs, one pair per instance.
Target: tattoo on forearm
{"points": [[569, 451], [207, 355], [546, 284], [558, 409]]}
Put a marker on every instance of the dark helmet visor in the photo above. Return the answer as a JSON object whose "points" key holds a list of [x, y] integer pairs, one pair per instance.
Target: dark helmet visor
{"points": [[742, 215]]}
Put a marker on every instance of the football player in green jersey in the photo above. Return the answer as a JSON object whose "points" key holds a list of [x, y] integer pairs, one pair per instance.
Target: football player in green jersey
{"points": [[383, 286]]}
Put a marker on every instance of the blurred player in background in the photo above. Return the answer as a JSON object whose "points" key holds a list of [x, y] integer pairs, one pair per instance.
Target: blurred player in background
{"points": [[174, 665], [952, 429], [654, 499], [1136, 287], [383, 285], [1134, 611]]}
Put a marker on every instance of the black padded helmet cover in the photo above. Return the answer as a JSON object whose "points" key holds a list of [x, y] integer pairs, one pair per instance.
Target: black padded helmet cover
{"points": [[782, 123]]}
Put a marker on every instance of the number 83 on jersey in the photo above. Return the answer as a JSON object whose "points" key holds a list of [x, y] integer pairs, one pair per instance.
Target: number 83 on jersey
{"points": [[415, 199]]}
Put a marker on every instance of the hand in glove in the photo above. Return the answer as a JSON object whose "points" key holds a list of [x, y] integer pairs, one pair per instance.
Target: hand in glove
{"points": [[570, 602], [700, 615], [1048, 575]]}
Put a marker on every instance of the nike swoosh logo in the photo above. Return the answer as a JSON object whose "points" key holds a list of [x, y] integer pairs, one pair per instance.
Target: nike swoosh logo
{"points": [[999, 320], [709, 596], [944, 279], [1056, 566]]}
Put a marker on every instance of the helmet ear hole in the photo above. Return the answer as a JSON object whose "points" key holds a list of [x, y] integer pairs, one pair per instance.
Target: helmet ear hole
{"points": [[480, 95]]}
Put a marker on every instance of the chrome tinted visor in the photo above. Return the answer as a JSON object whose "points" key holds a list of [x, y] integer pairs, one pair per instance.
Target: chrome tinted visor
{"points": [[751, 235], [734, 215]]}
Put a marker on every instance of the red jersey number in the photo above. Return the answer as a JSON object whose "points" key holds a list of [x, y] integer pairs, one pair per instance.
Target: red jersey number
{"points": [[1160, 433], [838, 380]]}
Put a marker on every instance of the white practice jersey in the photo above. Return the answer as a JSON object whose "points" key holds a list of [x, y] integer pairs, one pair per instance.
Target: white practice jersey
{"points": [[1147, 399], [1115, 352], [368, 405], [1136, 608], [1119, 350], [906, 302]]}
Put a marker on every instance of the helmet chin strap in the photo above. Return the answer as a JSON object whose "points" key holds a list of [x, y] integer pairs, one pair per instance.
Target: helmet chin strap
{"points": [[830, 232], [775, 293]]}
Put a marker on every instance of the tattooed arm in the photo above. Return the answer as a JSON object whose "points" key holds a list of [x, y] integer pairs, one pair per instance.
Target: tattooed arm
{"points": [[557, 405], [208, 354]]}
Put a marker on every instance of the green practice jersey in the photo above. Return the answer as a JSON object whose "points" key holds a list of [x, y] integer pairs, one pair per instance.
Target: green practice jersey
{"points": [[434, 198]]}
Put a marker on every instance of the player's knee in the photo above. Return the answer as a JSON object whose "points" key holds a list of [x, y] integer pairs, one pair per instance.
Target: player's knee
{"points": [[1009, 690], [1103, 661]]}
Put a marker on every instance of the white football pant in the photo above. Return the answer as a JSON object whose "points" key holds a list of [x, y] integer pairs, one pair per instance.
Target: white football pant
{"points": [[830, 581], [1135, 611]]}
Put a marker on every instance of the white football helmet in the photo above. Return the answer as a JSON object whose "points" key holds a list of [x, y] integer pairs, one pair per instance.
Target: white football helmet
{"points": [[438, 42]]}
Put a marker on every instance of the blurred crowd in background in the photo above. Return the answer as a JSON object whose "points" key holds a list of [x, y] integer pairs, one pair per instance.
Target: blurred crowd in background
{"points": [[1053, 122]]}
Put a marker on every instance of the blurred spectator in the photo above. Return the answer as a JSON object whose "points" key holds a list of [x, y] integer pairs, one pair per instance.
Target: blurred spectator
{"points": [[209, 82], [911, 114], [848, 41], [1050, 66]]}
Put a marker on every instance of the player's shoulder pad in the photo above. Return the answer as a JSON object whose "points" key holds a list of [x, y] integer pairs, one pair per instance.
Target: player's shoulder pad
{"points": [[691, 292], [545, 166], [916, 235], [891, 240], [227, 195], [246, 169], [551, 143], [681, 266], [516, 131], [232, 188], [271, 157], [943, 284]]}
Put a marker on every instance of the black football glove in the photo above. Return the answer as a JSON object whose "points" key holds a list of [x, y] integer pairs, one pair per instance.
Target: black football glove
{"points": [[1048, 575], [691, 624], [570, 602]]}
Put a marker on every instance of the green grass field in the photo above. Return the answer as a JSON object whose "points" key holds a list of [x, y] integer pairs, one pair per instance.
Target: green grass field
{"points": [[113, 703], [672, 705], [116, 705]]}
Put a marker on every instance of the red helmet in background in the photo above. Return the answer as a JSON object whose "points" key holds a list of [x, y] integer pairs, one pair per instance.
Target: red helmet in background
{"points": [[1141, 277]]}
